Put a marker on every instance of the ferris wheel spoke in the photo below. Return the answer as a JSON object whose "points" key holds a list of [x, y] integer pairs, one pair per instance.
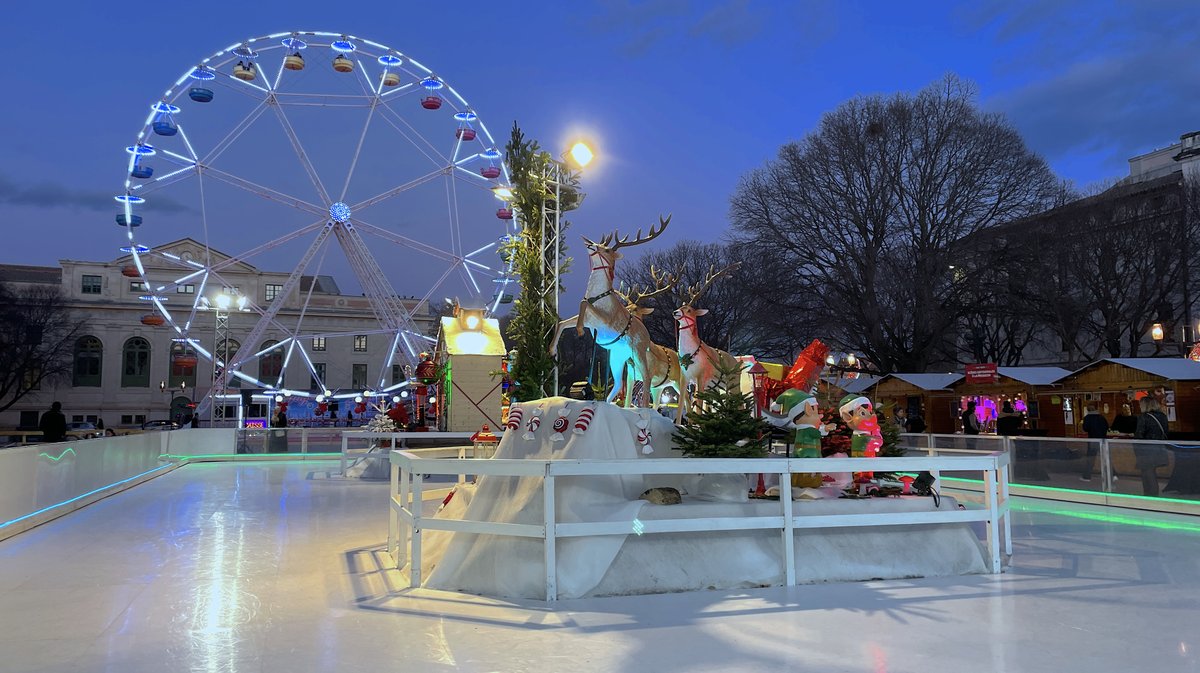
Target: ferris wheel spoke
{"points": [[357, 152], [300, 153], [165, 180], [232, 83], [273, 243], [400, 189], [265, 192], [404, 240], [390, 114], [235, 133]]}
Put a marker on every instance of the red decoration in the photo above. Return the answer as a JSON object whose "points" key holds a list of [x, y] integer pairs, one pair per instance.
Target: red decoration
{"points": [[485, 434], [584, 420], [807, 368], [982, 373], [514, 417]]}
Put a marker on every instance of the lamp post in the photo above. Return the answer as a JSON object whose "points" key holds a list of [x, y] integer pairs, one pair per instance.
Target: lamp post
{"points": [[758, 376], [170, 391]]}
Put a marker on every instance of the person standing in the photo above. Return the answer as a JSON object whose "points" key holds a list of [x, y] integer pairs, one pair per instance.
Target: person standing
{"points": [[1151, 426], [1125, 423], [1096, 427], [1009, 421], [53, 424], [900, 418], [969, 420]]}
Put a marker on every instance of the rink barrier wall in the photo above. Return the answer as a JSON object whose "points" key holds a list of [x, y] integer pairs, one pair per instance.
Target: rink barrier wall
{"points": [[408, 471], [1106, 467]]}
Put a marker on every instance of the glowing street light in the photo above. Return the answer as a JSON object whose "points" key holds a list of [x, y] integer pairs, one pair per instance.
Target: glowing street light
{"points": [[581, 154], [1156, 332]]}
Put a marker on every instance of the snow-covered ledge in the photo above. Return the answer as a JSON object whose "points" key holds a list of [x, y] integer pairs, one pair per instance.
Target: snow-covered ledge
{"points": [[555, 514]]}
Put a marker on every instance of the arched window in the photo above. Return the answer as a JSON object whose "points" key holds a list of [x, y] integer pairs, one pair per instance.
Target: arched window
{"points": [[89, 353], [270, 364], [183, 365], [135, 363]]}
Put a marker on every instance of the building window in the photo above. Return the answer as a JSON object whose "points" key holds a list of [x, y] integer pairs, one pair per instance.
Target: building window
{"points": [[135, 364], [138, 286], [273, 291], [360, 343], [397, 374], [183, 365], [270, 364], [358, 376], [318, 343], [89, 353], [186, 289], [91, 285], [318, 381]]}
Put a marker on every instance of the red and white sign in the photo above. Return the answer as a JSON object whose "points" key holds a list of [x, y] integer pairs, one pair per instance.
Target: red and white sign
{"points": [[982, 373]]}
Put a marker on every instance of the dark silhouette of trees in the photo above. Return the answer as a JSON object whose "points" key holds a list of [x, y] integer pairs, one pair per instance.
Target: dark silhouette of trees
{"points": [[37, 337]]}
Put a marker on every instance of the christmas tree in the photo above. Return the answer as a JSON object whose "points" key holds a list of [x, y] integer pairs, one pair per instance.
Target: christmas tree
{"points": [[891, 437], [724, 424]]}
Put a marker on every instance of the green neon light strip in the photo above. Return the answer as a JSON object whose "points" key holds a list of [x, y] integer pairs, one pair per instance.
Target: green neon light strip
{"points": [[1125, 519], [60, 456], [1058, 489]]}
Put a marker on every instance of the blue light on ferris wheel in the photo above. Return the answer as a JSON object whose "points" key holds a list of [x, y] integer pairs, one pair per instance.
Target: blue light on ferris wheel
{"points": [[139, 249], [293, 43], [129, 198], [165, 108], [467, 116], [246, 52], [143, 150], [152, 297], [340, 212], [344, 46], [203, 74], [390, 60], [432, 83], [490, 153]]}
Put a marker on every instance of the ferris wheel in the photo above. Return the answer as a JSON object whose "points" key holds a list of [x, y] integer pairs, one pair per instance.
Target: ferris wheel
{"points": [[313, 152]]}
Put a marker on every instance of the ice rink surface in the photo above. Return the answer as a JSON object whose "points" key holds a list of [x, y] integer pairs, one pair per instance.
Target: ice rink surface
{"points": [[279, 567]]}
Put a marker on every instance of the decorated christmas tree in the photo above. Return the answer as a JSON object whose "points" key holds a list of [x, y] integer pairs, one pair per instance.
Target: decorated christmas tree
{"points": [[724, 425]]}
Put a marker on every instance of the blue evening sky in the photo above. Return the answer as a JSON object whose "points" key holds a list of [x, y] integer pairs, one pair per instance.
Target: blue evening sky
{"points": [[681, 98]]}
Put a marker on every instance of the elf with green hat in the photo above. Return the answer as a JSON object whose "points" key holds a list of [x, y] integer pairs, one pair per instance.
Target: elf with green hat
{"points": [[859, 414], [799, 410]]}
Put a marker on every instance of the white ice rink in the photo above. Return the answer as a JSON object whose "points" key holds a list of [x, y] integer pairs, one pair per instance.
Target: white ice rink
{"points": [[275, 567]]}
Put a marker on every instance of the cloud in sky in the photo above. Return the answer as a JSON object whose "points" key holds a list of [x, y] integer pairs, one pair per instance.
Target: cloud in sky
{"points": [[1116, 80], [642, 26], [52, 195]]}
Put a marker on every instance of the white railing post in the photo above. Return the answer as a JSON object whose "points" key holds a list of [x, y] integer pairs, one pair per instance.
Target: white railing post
{"points": [[342, 459], [393, 515], [789, 541], [303, 440], [405, 490], [548, 521], [1106, 473], [414, 561], [993, 528], [1005, 476]]}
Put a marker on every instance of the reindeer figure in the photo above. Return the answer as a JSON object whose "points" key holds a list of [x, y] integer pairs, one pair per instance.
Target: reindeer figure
{"points": [[697, 360], [664, 363], [617, 330]]}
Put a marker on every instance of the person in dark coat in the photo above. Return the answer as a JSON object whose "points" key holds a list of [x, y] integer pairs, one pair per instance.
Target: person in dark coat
{"points": [[1009, 421], [969, 420], [53, 424], [1096, 427], [1125, 423], [1151, 425]]}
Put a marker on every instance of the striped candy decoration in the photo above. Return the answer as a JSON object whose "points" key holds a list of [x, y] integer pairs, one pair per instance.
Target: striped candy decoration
{"points": [[584, 420], [534, 422], [560, 424], [514, 417]]}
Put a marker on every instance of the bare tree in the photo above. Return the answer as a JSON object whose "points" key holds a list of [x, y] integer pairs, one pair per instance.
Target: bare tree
{"points": [[867, 209], [37, 339]]}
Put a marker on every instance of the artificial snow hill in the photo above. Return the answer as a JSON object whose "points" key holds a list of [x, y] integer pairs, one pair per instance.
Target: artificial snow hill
{"points": [[606, 565]]}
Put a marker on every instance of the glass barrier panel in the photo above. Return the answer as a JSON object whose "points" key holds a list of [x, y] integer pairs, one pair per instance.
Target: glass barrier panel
{"points": [[1167, 469]]}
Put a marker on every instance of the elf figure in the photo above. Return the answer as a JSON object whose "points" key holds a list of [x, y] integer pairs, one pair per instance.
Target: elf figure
{"points": [[799, 410], [859, 415]]}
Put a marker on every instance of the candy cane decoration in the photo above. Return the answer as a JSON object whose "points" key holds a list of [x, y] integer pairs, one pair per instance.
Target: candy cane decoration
{"points": [[534, 422], [560, 424], [514, 417], [584, 420], [644, 436]]}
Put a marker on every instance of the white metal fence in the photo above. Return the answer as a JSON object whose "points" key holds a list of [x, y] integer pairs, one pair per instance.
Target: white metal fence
{"points": [[406, 521]]}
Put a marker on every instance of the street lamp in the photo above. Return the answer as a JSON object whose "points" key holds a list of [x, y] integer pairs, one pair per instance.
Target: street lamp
{"points": [[758, 376], [1156, 332]]}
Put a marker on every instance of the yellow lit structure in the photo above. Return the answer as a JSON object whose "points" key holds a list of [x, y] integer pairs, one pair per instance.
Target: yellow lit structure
{"points": [[472, 348]]}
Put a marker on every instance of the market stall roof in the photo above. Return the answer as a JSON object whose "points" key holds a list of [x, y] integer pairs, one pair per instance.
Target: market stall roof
{"points": [[1174, 369], [1034, 376], [852, 386], [928, 381]]}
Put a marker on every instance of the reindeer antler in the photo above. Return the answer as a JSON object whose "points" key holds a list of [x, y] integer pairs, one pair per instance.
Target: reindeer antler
{"points": [[611, 241], [695, 292], [662, 284]]}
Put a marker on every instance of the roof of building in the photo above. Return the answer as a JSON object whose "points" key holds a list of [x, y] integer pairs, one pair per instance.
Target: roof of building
{"points": [[1034, 376], [20, 273], [1175, 369], [929, 381], [855, 385], [325, 284]]}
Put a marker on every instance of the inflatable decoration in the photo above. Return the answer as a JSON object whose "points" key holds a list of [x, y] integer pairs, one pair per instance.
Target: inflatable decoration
{"points": [[532, 425], [644, 436], [800, 411], [859, 414], [514, 417]]}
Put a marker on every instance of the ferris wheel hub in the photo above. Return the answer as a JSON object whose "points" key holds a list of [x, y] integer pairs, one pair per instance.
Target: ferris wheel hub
{"points": [[340, 212]]}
